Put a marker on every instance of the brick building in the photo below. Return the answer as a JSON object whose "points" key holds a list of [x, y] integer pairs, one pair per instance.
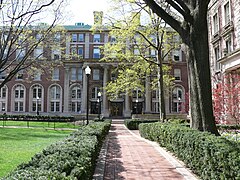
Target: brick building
{"points": [[64, 91]]}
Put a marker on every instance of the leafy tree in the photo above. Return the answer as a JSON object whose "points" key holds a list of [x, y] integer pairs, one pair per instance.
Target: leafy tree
{"points": [[141, 49], [21, 32], [192, 26]]}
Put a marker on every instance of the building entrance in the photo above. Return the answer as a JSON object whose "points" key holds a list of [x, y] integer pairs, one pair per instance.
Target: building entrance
{"points": [[116, 109]]}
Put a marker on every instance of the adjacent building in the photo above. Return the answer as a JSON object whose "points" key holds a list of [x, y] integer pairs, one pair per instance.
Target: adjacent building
{"points": [[64, 90], [224, 37]]}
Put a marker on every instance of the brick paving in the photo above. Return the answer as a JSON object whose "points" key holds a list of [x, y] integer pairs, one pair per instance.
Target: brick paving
{"points": [[131, 157]]}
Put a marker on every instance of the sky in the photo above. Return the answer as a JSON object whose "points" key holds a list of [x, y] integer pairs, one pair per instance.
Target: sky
{"points": [[82, 10]]}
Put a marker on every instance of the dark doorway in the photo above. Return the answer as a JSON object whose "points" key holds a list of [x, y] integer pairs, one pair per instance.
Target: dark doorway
{"points": [[116, 108], [137, 107], [94, 108]]}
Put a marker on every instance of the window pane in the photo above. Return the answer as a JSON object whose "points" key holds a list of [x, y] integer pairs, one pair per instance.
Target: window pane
{"points": [[74, 37]]}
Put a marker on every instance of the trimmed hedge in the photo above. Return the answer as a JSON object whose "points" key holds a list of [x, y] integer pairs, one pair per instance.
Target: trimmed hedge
{"points": [[210, 157], [133, 124], [73, 158]]}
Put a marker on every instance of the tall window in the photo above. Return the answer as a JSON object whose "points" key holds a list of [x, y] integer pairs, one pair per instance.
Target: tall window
{"points": [[76, 74], [55, 74], [81, 37], [80, 51], [228, 43], [96, 38], [76, 99], [20, 53], [19, 98], [38, 52], [55, 94], [74, 37], [215, 23], [227, 13], [36, 98], [96, 53], [177, 74], [3, 98], [96, 74], [95, 91], [217, 57], [177, 100]]}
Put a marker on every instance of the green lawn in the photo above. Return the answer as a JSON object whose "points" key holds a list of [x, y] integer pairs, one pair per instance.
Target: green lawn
{"points": [[18, 145]]}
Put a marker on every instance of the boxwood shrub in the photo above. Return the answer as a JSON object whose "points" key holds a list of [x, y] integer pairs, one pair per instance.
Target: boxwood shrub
{"points": [[72, 158], [210, 157], [132, 124]]}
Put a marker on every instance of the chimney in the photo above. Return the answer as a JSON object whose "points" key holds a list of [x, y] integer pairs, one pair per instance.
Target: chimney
{"points": [[98, 16]]}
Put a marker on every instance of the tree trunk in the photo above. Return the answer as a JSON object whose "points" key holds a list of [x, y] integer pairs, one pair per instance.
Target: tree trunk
{"points": [[161, 98], [199, 78]]}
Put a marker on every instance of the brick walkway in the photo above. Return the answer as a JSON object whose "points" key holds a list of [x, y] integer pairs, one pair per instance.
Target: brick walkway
{"points": [[129, 156]]}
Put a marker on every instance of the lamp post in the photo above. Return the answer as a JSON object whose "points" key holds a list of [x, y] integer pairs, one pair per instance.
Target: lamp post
{"points": [[99, 104], [136, 108], [37, 105], [179, 107], [87, 72]]}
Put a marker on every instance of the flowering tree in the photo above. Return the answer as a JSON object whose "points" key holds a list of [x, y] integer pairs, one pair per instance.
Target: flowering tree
{"points": [[226, 98]]}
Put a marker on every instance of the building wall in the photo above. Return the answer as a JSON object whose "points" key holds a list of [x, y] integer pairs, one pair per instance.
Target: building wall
{"points": [[71, 87]]}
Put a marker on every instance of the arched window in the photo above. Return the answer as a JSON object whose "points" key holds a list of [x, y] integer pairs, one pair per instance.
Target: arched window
{"points": [[75, 99], [37, 92], [177, 99], [55, 99], [3, 98], [19, 93]]}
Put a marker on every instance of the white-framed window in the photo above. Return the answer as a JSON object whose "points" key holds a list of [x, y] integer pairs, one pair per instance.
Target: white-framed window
{"points": [[38, 52], [81, 37], [55, 74], [76, 99], [56, 53], [177, 100], [177, 74], [19, 75], [80, 51], [215, 23], [37, 94], [74, 37], [73, 74], [176, 55], [96, 74], [95, 91], [227, 17], [19, 94], [96, 38], [3, 98], [79, 74], [216, 58], [55, 99], [96, 52], [20, 53]]}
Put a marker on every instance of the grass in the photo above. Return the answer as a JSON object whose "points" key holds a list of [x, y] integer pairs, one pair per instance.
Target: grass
{"points": [[18, 145], [38, 124]]}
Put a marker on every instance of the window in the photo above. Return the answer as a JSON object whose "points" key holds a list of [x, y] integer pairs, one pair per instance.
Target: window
{"points": [[57, 37], [73, 74], [227, 13], [176, 55], [37, 76], [112, 39], [80, 51], [81, 37], [95, 91], [96, 74], [3, 75], [3, 92], [55, 74], [217, 57], [38, 52], [37, 98], [76, 99], [19, 75], [177, 74], [55, 94], [96, 53], [20, 53], [137, 94], [215, 24], [38, 36], [56, 54], [19, 98], [153, 53], [79, 74], [73, 50], [74, 37], [228, 43], [96, 38], [177, 100]]}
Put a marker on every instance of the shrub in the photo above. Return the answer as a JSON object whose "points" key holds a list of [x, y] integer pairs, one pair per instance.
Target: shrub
{"points": [[133, 124], [208, 156], [72, 158]]}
